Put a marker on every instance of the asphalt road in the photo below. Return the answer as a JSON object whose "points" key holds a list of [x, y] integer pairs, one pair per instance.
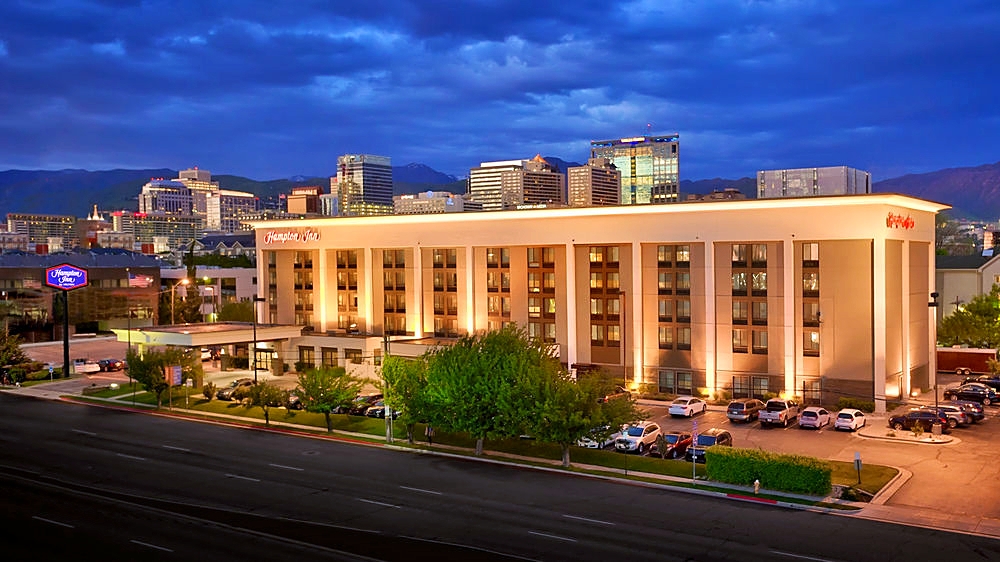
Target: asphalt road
{"points": [[228, 492]]}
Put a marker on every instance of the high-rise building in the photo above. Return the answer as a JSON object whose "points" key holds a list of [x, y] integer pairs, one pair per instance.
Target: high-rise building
{"points": [[159, 232], [363, 184], [45, 232], [538, 183], [595, 184], [304, 199], [808, 182], [648, 165], [227, 209], [201, 185], [485, 185], [167, 196], [428, 202]]}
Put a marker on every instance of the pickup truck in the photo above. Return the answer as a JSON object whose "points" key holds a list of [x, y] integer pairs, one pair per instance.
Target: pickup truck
{"points": [[778, 411]]}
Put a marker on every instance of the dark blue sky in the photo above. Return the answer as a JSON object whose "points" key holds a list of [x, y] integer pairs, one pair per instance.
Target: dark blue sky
{"points": [[270, 89]]}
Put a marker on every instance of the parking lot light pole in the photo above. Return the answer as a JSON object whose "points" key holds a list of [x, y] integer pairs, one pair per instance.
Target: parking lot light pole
{"points": [[253, 351], [173, 294]]}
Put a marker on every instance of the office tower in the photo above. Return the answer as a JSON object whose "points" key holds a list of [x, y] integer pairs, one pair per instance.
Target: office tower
{"points": [[485, 186], [304, 199], [46, 233], [597, 183], [538, 183], [648, 166], [167, 196], [428, 202], [808, 182], [201, 185], [363, 185], [227, 209]]}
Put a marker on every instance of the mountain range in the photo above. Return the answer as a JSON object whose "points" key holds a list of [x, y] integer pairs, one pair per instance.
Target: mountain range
{"points": [[973, 192]]}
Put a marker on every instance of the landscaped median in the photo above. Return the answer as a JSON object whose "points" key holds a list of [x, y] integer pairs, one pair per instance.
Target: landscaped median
{"points": [[839, 475]]}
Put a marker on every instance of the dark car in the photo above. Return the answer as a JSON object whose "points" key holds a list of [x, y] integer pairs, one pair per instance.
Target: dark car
{"points": [[377, 410], [360, 405], [973, 391], [293, 402], [974, 410], [744, 409], [992, 381], [924, 418], [111, 364], [672, 444], [236, 390], [709, 438], [956, 414], [619, 392]]}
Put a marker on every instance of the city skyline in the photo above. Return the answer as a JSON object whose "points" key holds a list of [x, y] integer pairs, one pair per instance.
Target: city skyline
{"points": [[264, 92]]}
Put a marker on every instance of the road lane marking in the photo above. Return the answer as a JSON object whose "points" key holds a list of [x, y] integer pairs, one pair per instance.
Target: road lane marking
{"points": [[377, 503], [67, 525], [172, 448], [548, 536], [286, 467], [598, 521], [82, 432], [133, 457], [802, 556], [421, 490], [242, 477], [146, 544]]}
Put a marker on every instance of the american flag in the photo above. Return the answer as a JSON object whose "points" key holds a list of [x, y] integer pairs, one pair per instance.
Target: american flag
{"points": [[140, 281]]}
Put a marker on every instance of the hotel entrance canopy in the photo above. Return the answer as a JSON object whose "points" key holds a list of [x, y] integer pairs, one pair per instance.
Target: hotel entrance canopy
{"points": [[207, 334]]}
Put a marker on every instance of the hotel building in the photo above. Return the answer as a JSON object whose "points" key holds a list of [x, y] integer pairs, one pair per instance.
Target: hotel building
{"points": [[821, 297]]}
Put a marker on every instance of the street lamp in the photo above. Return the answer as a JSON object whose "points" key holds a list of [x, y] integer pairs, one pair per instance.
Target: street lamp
{"points": [[173, 293], [253, 351]]}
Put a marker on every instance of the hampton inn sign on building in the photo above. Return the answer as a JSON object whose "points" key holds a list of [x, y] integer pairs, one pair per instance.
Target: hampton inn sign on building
{"points": [[818, 297]]}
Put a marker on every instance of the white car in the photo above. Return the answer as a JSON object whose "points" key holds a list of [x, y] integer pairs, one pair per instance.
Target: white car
{"points": [[849, 419], [814, 417], [639, 437], [593, 442], [81, 366], [687, 406]]}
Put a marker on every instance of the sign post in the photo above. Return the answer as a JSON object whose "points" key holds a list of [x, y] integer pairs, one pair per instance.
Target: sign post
{"points": [[694, 457], [857, 464], [65, 277]]}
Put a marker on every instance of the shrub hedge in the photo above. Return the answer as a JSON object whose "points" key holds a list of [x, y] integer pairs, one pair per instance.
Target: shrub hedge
{"points": [[785, 473], [857, 403]]}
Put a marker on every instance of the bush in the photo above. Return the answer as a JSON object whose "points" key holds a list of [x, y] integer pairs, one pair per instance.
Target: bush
{"points": [[303, 366], [786, 473], [856, 403], [208, 390]]}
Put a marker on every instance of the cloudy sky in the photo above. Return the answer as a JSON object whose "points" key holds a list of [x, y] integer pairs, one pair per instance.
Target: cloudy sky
{"points": [[269, 89]]}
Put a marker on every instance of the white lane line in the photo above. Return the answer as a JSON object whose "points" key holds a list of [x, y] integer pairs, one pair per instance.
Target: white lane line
{"points": [[557, 537], [801, 556], [181, 449], [377, 503], [82, 432], [286, 467], [67, 525], [146, 544], [598, 521], [242, 477], [421, 490], [133, 457]]}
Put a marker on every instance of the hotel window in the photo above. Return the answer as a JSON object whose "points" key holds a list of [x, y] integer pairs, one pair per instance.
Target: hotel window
{"points": [[759, 387], [307, 355], [597, 254], [534, 307], [665, 310], [492, 281], [740, 344], [597, 334], [387, 258], [505, 306], [684, 338], [740, 283], [810, 314], [596, 281], [438, 281], [683, 256], [664, 255], [328, 356], [614, 308], [758, 255], [492, 257], [550, 332], [683, 310], [759, 284], [684, 382], [739, 255], [666, 337], [612, 255], [683, 283], [810, 343], [666, 381], [400, 258], [614, 335], [493, 305], [740, 312], [534, 283], [810, 255], [549, 307], [759, 312], [741, 386], [810, 284], [548, 282], [439, 304], [548, 256], [812, 391], [452, 301], [665, 282], [400, 280], [759, 341], [612, 284], [596, 308], [534, 257], [505, 281]]}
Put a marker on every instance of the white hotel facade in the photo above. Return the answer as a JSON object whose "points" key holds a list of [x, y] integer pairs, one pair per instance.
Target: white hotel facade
{"points": [[818, 297]]}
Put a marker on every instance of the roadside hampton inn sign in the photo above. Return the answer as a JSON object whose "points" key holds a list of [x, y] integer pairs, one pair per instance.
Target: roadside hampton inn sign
{"points": [[66, 277]]}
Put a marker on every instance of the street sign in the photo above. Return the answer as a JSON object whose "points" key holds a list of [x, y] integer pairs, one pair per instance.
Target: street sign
{"points": [[857, 464], [66, 277]]}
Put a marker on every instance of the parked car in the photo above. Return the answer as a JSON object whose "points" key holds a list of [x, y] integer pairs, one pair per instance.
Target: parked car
{"points": [[360, 404], [687, 406], [236, 390], [744, 409], [955, 414], [619, 392], [974, 410], [709, 438], [814, 417], [595, 441], [850, 419], [673, 444], [293, 402], [378, 409], [85, 366], [974, 391], [992, 381], [778, 411], [924, 418], [111, 364], [639, 437]]}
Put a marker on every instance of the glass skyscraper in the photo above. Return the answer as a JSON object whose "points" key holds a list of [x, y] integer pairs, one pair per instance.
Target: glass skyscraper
{"points": [[648, 166]]}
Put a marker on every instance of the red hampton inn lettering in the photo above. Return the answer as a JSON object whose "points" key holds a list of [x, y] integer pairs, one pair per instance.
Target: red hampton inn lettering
{"points": [[893, 220]]}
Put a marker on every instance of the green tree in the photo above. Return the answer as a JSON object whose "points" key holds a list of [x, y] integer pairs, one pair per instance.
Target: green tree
{"points": [[265, 396], [186, 309], [977, 324], [951, 239], [237, 312], [149, 369], [10, 349], [404, 381], [325, 390]]}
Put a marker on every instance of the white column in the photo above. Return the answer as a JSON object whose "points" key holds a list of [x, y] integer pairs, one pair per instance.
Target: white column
{"points": [[320, 283], [932, 316], [470, 302], [711, 333], [878, 322], [636, 337], [367, 304], [790, 288], [418, 291], [569, 353], [904, 383]]}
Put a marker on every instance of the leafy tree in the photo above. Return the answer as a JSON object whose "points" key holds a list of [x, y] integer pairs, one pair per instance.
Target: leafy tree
{"points": [[10, 349], [325, 390], [951, 239], [404, 381], [186, 309], [265, 396], [149, 369], [237, 312], [977, 324]]}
